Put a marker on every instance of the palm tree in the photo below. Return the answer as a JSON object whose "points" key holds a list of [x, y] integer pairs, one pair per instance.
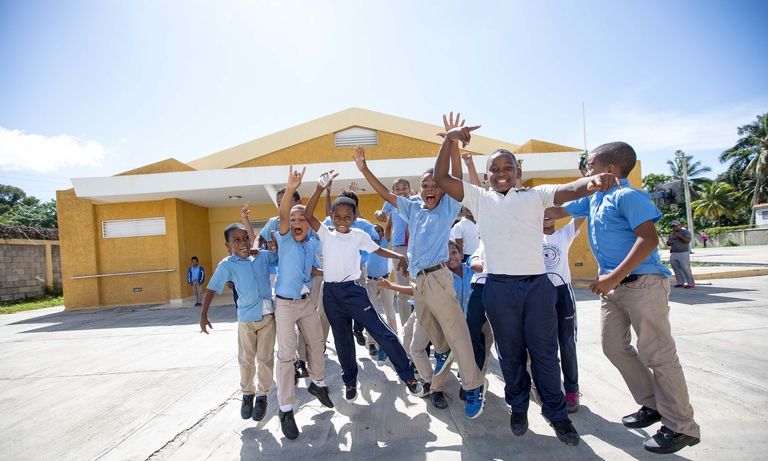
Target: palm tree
{"points": [[749, 159], [695, 168], [716, 200]]}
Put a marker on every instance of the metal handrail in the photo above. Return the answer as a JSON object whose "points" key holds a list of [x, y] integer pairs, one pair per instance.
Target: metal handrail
{"points": [[77, 277]]}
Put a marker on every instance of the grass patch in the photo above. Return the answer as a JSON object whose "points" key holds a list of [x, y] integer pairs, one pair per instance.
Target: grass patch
{"points": [[31, 304]]}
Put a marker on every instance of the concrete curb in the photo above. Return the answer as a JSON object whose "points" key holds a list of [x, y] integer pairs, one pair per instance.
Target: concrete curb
{"points": [[584, 283]]}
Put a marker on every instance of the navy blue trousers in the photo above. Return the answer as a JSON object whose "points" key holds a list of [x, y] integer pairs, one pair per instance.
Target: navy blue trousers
{"points": [[566, 336], [347, 301], [521, 310], [475, 321]]}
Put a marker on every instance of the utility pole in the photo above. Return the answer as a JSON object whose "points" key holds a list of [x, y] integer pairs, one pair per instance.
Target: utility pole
{"points": [[688, 212]]}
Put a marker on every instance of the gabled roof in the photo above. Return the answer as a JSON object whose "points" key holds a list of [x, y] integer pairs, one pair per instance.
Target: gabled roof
{"points": [[169, 165], [333, 123]]}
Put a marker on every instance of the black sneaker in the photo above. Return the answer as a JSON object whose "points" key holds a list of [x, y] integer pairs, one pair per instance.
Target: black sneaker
{"points": [[566, 432], [425, 390], [288, 425], [260, 408], [644, 417], [246, 410], [372, 351], [350, 393], [668, 441], [321, 393], [301, 369], [518, 422], [414, 387], [438, 400], [359, 337]]}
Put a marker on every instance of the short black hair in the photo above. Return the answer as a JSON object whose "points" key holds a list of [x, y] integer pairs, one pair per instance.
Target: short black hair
{"points": [[401, 180], [617, 153], [502, 152], [231, 228], [429, 171], [346, 201], [283, 190], [350, 195], [194, 258], [456, 245]]}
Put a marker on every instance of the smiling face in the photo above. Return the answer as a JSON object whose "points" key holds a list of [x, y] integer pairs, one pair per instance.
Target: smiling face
{"points": [[343, 216], [238, 243], [430, 192], [299, 224], [401, 188], [454, 257], [502, 172]]}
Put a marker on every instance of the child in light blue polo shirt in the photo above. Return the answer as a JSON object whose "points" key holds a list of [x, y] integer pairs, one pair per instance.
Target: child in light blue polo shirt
{"points": [[429, 226], [256, 324]]}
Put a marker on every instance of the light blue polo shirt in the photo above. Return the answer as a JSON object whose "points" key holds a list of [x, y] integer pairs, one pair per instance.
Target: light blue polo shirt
{"points": [[365, 226], [250, 277], [294, 266], [429, 231], [613, 216], [463, 286], [398, 223], [378, 266]]}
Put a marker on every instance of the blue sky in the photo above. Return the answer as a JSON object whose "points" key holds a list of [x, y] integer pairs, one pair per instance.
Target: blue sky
{"points": [[93, 88]]}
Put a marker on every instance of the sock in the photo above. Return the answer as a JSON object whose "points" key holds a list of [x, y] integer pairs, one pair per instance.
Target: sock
{"points": [[286, 408], [320, 383]]}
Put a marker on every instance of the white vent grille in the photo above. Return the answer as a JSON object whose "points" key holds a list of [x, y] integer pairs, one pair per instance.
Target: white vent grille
{"points": [[133, 228], [356, 137]]}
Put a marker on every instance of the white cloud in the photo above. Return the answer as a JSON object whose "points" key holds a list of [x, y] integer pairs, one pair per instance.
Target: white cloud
{"points": [[124, 140], [43, 154], [671, 130]]}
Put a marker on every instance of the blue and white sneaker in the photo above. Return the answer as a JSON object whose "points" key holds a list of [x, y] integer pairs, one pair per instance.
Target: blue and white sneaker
{"points": [[443, 362], [381, 358], [475, 402]]}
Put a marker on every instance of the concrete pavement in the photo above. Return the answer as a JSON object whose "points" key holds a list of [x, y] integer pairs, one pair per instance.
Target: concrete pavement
{"points": [[142, 383]]}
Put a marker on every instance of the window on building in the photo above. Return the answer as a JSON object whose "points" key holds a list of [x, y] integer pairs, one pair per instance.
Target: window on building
{"points": [[356, 137], [133, 227]]}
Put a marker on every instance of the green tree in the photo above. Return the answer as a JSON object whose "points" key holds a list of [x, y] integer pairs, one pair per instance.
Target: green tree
{"points": [[652, 180], [11, 196], [695, 170], [34, 214], [749, 160], [716, 200]]}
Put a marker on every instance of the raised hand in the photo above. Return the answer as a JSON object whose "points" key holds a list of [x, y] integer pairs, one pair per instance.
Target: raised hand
{"points": [[326, 178], [359, 158], [450, 123], [245, 212], [468, 160], [295, 177], [353, 187], [602, 182]]}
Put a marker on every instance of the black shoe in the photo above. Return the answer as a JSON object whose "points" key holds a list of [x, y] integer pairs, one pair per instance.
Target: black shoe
{"points": [[425, 390], [359, 337], [414, 387], [247, 409], [518, 422], [260, 408], [288, 425], [301, 369], [462, 394], [566, 432], [350, 393], [644, 417], [372, 351], [321, 393], [668, 441], [438, 400]]}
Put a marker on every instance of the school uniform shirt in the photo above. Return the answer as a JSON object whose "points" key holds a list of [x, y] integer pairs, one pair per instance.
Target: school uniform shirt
{"points": [[196, 274], [612, 218], [428, 230], [467, 231], [294, 266], [250, 277], [362, 224], [341, 253], [463, 286], [510, 226], [399, 224], [479, 254], [555, 250], [378, 266]]}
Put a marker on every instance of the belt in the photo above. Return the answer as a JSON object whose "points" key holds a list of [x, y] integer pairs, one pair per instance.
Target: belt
{"points": [[630, 278], [304, 296], [385, 276], [431, 269]]}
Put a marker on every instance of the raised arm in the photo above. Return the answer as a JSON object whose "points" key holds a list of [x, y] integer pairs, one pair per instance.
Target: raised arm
{"points": [[323, 182], [294, 181], [245, 215], [380, 188], [328, 204], [585, 186], [449, 155], [474, 178], [388, 229]]}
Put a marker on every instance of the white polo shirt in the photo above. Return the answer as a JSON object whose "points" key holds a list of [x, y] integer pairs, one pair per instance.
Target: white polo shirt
{"points": [[511, 227], [341, 253], [555, 249], [467, 231]]}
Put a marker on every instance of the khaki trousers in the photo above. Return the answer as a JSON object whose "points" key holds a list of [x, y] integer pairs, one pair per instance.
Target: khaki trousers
{"points": [[196, 291], [316, 294], [440, 315], [382, 300], [400, 279], [288, 316], [652, 371], [256, 354]]}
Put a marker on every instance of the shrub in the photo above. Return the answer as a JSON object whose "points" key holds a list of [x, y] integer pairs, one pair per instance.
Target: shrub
{"points": [[730, 243]]}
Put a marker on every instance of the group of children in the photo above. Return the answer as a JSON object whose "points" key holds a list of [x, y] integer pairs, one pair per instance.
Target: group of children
{"points": [[511, 287]]}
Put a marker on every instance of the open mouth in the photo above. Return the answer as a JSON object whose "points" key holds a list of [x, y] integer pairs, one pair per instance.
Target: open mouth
{"points": [[298, 231], [430, 200]]}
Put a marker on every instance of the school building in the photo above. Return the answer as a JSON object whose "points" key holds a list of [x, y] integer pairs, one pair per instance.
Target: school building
{"points": [[128, 239]]}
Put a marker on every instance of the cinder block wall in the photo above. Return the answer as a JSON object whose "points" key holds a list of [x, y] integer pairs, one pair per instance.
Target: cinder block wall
{"points": [[23, 271]]}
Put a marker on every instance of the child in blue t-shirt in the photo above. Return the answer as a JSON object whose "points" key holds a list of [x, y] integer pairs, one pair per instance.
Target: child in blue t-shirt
{"points": [[195, 278], [249, 276]]}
